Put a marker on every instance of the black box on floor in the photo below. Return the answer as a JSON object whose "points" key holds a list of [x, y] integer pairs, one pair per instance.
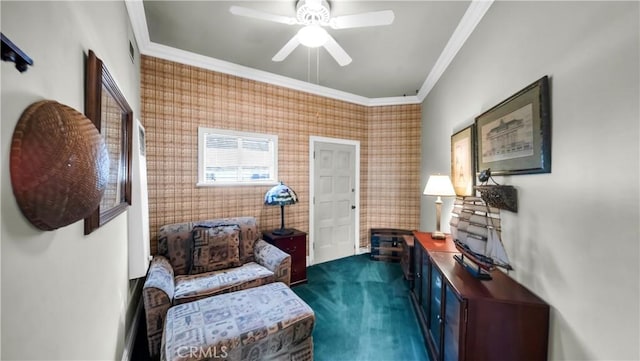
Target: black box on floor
{"points": [[386, 243]]}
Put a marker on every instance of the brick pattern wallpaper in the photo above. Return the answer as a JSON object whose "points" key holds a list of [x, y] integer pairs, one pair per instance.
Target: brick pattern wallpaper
{"points": [[177, 99]]}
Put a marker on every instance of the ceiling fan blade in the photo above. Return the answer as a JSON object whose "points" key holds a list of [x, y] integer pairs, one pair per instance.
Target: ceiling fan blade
{"points": [[337, 52], [261, 15], [374, 18], [290, 46]]}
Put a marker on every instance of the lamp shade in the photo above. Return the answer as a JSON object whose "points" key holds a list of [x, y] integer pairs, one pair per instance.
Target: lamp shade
{"points": [[280, 195], [439, 185]]}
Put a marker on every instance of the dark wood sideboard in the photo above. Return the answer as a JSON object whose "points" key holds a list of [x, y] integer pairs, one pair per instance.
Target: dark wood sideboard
{"points": [[463, 318]]}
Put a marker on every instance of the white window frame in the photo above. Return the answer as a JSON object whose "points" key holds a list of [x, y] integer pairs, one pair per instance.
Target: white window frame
{"points": [[202, 182]]}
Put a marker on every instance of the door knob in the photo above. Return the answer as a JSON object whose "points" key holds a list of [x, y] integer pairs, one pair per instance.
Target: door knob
{"points": [[353, 207]]}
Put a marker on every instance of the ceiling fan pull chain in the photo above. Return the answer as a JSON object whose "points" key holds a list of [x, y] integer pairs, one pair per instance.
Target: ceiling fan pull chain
{"points": [[308, 65], [318, 66]]}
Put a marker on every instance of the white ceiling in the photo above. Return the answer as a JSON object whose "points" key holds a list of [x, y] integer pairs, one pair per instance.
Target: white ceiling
{"points": [[394, 64]]}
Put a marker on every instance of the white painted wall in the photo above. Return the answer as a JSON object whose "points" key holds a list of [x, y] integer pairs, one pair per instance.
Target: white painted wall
{"points": [[138, 216], [64, 295], [574, 240]]}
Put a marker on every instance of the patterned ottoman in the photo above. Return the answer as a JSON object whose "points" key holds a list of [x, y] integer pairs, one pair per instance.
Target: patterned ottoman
{"points": [[269, 322]]}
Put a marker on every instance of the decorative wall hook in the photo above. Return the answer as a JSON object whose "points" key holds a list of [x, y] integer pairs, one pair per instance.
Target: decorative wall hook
{"points": [[10, 52], [503, 197], [496, 195]]}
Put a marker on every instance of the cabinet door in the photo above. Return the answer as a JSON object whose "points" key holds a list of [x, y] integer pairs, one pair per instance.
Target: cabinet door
{"points": [[417, 282], [297, 248], [289, 244], [453, 324], [434, 322], [424, 291]]}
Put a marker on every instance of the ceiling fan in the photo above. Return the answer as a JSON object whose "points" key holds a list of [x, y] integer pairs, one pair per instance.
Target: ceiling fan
{"points": [[314, 15]]}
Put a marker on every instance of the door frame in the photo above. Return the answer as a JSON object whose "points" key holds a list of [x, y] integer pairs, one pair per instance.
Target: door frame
{"points": [[312, 143]]}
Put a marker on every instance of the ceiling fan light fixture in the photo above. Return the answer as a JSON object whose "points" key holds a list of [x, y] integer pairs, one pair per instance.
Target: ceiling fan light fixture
{"points": [[313, 12], [312, 36]]}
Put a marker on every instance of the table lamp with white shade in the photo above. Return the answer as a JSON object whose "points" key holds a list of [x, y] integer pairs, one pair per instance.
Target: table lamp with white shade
{"points": [[440, 186]]}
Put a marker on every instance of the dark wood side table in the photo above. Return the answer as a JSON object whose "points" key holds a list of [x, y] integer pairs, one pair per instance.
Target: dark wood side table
{"points": [[294, 244]]}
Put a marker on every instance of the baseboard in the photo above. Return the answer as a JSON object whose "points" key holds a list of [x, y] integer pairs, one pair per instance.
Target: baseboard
{"points": [[130, 340], [363, 250]]}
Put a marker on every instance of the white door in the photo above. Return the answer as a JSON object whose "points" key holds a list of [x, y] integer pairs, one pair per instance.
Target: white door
{"points": [[334, 200]]}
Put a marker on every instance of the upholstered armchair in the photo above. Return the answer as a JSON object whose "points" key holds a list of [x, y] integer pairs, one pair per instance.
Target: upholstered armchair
{"points": [[200, 259]]}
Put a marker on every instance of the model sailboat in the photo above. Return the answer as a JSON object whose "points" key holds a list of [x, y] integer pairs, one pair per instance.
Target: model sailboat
{"points": [[475, 229]]}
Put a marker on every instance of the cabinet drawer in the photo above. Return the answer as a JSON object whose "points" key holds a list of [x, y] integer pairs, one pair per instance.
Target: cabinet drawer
{"points": [[292, 245]]}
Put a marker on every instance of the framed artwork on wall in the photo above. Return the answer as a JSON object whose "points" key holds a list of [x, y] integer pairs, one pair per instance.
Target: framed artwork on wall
{"points": [[108, 109], [514, 137], [463, 174]]}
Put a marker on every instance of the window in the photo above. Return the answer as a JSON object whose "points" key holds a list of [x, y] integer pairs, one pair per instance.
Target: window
{"points": [[234, 158]]}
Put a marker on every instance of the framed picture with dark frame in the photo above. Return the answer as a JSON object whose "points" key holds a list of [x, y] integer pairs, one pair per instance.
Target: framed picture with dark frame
{"points": [[109, 111], [514, 137], [463, 161]]}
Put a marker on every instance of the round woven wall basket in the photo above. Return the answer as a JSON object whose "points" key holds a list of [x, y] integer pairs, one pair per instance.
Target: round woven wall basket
{"points": [[59, 165]]}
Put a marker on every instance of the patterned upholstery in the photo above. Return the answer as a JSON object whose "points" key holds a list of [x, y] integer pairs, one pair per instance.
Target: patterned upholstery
{"points": [[157, 297], [169, 283], [269, 322], [214, 248], [248, 233], [174, 242], [195, 287], [273, 259]]}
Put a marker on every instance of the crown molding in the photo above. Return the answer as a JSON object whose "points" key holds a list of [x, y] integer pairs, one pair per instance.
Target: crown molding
{"points": [[470, 19], [138, 20], [475, 12], [377, 102], [221, 66]]}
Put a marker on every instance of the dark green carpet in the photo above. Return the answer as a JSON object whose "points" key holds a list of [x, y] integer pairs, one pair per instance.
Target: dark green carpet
{"points": [[363, 311]]}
